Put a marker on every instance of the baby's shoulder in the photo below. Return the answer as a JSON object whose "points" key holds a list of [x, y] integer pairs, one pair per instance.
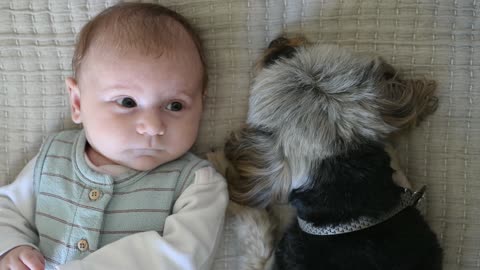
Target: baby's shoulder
{"points": [[67, 136]]}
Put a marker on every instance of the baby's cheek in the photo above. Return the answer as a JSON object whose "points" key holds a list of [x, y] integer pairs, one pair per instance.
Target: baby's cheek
{"points": [[184, 139]]}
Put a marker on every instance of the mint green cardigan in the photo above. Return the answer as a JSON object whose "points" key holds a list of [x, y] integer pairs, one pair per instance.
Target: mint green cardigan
{"points": [[79, 210]]}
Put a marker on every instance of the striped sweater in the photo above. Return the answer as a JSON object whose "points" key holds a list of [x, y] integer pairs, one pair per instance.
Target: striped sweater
{"points": [[79, 210]]}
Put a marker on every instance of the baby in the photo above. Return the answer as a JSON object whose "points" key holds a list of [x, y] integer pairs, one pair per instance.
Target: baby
{"points": [[123, 192]]}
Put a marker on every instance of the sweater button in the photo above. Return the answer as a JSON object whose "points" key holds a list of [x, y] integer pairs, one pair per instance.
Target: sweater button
{"points": [[82, 245], [94, 194]]}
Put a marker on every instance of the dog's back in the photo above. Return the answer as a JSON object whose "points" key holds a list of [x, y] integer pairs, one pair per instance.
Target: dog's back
{"points": [[346, 187]]}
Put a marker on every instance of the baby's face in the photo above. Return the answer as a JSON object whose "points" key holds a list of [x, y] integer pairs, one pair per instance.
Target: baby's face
{"points": [[138, 111]]}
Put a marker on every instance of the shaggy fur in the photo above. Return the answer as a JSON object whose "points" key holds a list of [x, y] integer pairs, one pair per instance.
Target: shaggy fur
{"points": [[347, 186], [320, 102], [318, 120]]}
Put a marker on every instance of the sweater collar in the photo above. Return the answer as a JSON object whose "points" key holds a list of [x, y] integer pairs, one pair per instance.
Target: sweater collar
{"points": [[92, 177]]}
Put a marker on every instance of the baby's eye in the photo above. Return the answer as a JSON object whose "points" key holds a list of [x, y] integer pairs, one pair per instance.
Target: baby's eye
{"points": [[175, 106], [127, 102]]}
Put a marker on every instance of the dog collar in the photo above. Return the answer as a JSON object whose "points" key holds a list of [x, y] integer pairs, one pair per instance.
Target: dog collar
{"points": [[408, 198]]}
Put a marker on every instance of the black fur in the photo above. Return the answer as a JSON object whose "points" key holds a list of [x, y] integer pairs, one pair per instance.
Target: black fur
{"points": [[285, 52], [357, 183]]}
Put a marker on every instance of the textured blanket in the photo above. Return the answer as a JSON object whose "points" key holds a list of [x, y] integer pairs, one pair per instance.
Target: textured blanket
{"points": [[436, 39]]}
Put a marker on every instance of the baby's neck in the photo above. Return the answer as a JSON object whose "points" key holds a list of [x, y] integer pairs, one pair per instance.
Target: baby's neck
{"points": [[96, 158], [104, 165]]}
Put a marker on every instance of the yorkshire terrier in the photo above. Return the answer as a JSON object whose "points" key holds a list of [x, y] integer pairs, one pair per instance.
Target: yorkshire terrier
{"points": [[318, 123]]}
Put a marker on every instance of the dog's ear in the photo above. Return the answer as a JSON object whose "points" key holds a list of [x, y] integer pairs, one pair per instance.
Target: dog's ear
{"points": [[278, 48], [259, 175], [404, 103], [278, 42], [378, 69]]}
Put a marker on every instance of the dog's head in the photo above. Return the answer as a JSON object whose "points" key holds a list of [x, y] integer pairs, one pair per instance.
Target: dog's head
{"points": [[320, 100], [311, 101]]}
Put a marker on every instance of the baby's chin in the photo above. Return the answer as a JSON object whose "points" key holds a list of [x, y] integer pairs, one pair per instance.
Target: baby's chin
{"points": [[146, 163]]}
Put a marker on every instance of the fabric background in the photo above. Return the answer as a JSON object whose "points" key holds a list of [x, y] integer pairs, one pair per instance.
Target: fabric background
{"points": [[436, 39]]}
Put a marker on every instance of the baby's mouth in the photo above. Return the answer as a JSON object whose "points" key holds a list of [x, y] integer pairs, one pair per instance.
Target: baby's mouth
{"points": [[146, 151]]}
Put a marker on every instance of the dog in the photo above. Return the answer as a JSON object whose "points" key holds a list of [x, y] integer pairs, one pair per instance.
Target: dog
{"points": [[319, 120]]}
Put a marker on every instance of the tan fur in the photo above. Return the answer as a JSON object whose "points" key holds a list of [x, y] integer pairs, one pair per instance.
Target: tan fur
{"points": [[260, 163], [255, 229], [405, 103]]}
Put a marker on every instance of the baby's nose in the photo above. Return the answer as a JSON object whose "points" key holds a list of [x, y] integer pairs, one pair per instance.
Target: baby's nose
{"points": [[151, 124]]}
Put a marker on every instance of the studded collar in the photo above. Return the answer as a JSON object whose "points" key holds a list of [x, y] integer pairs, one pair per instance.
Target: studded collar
{"points": [[408, 198]]}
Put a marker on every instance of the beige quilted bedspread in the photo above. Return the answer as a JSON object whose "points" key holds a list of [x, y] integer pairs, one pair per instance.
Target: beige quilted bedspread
{"points": [[438, 39]]}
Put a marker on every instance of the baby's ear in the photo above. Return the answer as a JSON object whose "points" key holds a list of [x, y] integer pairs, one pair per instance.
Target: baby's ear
{"points": [[74, 98]]}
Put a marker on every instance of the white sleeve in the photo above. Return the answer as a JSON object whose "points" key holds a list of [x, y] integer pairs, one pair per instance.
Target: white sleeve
{"points": [[17, 208], [191, 234]]}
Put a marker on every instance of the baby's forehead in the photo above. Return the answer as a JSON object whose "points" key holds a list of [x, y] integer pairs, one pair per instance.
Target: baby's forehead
{"points": [[169, 43], [104, 64], [146, 30], [165, 35]]}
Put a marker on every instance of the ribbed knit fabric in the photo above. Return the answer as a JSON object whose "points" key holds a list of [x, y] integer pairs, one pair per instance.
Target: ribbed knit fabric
{"points": [[80, 210]]}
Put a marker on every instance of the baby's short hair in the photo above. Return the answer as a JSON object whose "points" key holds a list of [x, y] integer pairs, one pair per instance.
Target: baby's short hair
{"points": [[139, 26]]}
